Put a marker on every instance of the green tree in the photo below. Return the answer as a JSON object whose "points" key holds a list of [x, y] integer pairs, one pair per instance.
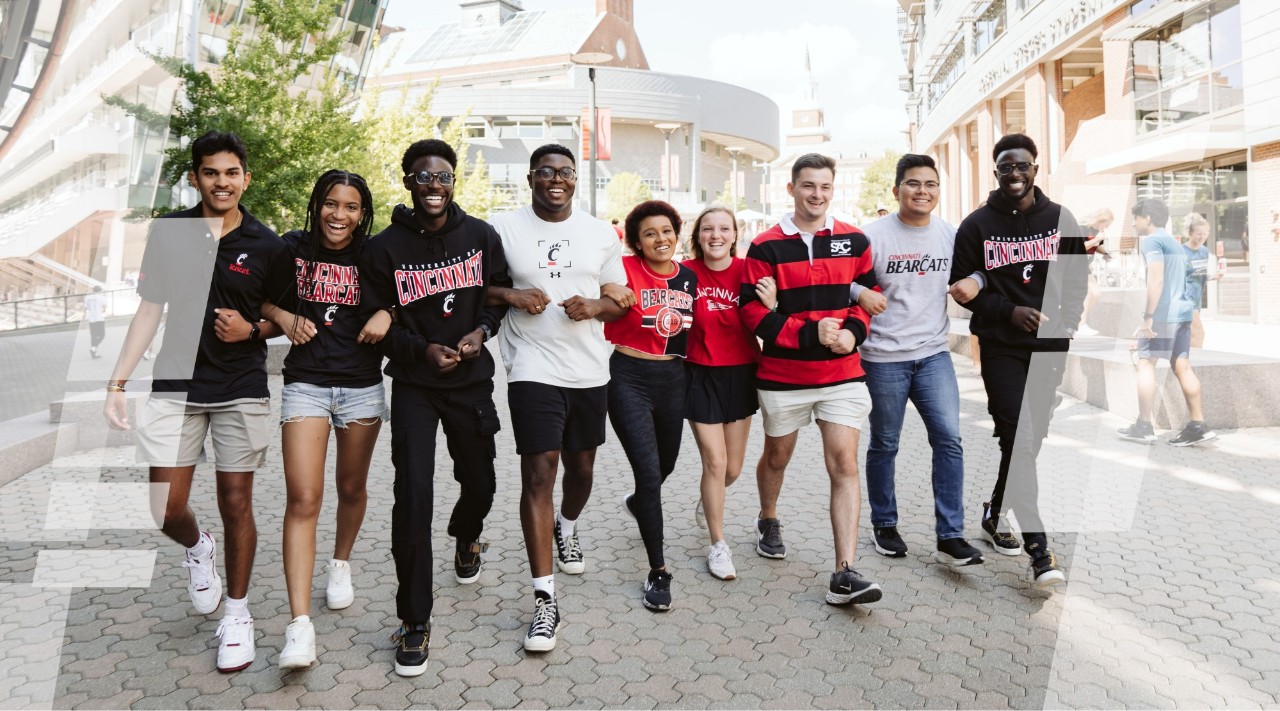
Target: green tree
{"points": [[877, 183], [625, 191], [725, 197], [387, 128], [291, 136]]}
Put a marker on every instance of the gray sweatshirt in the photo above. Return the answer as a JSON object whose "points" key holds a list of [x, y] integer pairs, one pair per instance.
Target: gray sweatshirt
{"points": [[912, 267]]}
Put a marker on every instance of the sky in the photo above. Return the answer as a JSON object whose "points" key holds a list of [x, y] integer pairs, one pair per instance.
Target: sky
{"points": [[759, 44]]}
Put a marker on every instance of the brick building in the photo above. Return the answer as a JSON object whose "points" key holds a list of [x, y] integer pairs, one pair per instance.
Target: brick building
{"points": [[1127, 99]]}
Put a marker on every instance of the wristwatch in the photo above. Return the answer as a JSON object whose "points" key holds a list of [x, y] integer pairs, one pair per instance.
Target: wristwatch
{"points": [[254, 332], [488, 332], [1148, 314]]}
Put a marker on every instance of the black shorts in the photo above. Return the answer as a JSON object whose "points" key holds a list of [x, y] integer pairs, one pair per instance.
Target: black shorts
{"points": [[549, 418], [716, 395]]}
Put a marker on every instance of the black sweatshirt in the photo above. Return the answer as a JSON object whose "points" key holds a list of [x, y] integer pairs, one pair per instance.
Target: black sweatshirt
{"points": [[1030, 258], [436, 282], [327, 291]]}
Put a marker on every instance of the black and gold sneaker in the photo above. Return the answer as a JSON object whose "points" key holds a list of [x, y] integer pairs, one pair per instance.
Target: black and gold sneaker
{"points": [[411, 650], [467, 561]]}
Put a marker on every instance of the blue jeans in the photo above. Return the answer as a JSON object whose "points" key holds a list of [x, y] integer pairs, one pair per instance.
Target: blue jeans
{"points": [[930, 383]]}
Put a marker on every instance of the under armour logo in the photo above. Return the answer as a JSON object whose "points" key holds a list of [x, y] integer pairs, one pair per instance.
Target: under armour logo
{"points": [[555, 275]]}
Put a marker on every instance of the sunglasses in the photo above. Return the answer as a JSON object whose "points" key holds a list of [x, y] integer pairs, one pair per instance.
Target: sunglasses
{"points": [[1020, 166], [424, 177]]}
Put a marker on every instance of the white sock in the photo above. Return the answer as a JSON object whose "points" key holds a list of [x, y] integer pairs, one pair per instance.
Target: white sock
{"points": [[546, 584], [566, 526], [203, 547], [302, 618], [237, 608]]}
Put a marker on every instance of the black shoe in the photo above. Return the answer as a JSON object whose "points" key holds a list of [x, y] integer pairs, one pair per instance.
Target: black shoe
{"points": [[657, 590], [546, 622], [769, 538], [1193, 433], [569, 552], [411, 654], [1138, 432], [467, 561], [848, 586], [889, 543], [957, 553], [1044, 566], [1002, 542]]}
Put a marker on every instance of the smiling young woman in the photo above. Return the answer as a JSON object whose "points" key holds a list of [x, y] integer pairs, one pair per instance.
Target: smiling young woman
{"points": [[646, 375]]}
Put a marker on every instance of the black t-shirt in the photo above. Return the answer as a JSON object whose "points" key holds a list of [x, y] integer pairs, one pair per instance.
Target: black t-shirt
{"points": [[325, 288], [185, 267]]}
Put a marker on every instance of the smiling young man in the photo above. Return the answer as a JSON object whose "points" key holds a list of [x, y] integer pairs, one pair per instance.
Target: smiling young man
{"points": [[810, 369], [432, 265], [210, 375], [1027, 254], [562, 262], [907, 357]]}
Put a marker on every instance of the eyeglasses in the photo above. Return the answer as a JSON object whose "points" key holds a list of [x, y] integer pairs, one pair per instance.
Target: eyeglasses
{"points": [[424, 177], [932, 185], [1020, 166], [549, 173]]}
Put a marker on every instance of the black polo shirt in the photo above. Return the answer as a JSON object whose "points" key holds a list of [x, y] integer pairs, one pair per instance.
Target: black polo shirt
{"points": [[185, 267]]}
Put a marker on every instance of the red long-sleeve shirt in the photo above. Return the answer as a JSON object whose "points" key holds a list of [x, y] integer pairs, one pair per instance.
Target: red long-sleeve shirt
{"points": [[813, 283]]}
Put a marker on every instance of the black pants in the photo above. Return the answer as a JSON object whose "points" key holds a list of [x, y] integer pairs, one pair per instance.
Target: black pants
{"points": [[1021, 390], [646, 407], [97, 332], [470, 422]]}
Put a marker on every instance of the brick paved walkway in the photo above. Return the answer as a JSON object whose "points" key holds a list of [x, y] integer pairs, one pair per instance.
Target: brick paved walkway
{"points": [[1173, 601]]}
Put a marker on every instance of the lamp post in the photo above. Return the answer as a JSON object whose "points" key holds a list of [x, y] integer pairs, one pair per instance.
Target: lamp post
{"points": [[733, 177], [592, 58], [667, 129]]}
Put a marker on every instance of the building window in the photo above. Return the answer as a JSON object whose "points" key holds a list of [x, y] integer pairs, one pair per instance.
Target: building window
{"points": [[702, 145], [988, 27], [563, 130], [1188, 68], [602, 182], [1140, 6], [949, 72], [474, 130], [1218, 190], [526, 128]]}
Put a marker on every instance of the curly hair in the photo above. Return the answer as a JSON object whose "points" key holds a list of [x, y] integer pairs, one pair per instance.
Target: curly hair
{"points": [[649, 208]]}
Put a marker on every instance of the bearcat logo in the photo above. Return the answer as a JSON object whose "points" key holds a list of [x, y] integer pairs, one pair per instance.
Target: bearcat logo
{"points": [[1026, 273], [673, 313], [448, 305], [239, 267], [329, 314], [554, 258]]}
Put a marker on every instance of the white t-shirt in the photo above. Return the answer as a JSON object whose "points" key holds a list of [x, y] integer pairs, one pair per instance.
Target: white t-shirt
{"points": [[564, 259]]}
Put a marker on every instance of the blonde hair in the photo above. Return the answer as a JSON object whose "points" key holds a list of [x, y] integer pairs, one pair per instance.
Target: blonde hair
{"points": [[1102, 214], [1195, 220]]}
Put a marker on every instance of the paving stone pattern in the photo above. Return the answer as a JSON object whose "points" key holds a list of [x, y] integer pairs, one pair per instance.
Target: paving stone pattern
{"points": [[1173, 599]]}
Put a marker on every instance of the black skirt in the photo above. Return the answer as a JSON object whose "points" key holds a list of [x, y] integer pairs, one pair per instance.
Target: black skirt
{"points": [[716, 395]]}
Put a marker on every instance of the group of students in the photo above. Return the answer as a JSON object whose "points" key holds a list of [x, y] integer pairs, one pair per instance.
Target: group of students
{"points": [[820, 321]]}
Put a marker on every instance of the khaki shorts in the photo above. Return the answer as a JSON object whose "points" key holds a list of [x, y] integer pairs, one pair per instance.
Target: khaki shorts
{"points": [[171, 433], [786, 411]]}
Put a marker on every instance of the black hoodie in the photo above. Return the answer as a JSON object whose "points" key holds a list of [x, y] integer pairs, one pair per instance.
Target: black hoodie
{"points": [[436, 282], [1030, 258]]}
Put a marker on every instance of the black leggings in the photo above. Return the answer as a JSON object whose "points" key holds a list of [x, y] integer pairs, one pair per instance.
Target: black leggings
{"points": [[646, 407], [1021, 390]]}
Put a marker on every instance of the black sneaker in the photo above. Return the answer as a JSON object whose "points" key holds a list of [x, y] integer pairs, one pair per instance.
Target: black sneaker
{"points": [[848, 586], [769, 538], [1002, 542], [546, 622], [1138, 432], [1193, 433], [569, 552], [411, 654], [957, 553], [1044, 566], [889, 543], [657, 590], [467, 561]]}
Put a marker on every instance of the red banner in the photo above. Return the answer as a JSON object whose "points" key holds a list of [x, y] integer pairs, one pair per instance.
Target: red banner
{"points": [[604, 133]]}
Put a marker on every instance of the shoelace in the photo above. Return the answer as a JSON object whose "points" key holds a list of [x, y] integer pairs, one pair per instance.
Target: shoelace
{"points": [[199, 575], [339, 574], [232, 625], [660, 582], [572, 549], [773, 532], [292, 634], [544, 619]]}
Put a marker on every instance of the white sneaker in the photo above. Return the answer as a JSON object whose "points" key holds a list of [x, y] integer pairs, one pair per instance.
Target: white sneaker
{"points": [[205, 587], [299, 644], [1086, 332], [720, 561], [236, 650], [339, 593]]}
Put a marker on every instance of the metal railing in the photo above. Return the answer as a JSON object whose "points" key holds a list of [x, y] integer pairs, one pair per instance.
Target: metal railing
{"points": [[66, 308]]}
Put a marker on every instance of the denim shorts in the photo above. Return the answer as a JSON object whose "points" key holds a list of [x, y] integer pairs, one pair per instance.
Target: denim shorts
{"points": [[339, 405]]}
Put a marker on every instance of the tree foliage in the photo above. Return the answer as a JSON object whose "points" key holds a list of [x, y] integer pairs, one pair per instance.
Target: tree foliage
{"points": [[877, 183], [725, 197], [625, 191]]}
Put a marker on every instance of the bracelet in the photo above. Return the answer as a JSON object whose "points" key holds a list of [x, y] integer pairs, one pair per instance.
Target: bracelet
{"points": [[115, 387]]}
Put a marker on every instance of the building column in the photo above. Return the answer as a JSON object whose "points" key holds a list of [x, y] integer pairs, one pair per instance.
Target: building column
{"points": [[964, 161], [1033, 87], [953, 205], [986, 143], [695, 164]]}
